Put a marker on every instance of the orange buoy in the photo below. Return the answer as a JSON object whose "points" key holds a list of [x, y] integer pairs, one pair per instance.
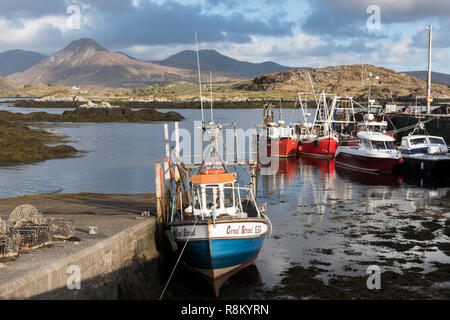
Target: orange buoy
{"points": [[213, 171]]}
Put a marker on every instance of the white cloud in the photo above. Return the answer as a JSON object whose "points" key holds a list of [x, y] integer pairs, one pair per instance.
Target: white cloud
{"points": [[26, 30]]}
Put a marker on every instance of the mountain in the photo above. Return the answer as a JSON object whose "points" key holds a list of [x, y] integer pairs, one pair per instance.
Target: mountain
{"points": [[84, 62], [436, 77], [130, 57], [345, 80], [211, 60], [13, 61], [6, 84]]}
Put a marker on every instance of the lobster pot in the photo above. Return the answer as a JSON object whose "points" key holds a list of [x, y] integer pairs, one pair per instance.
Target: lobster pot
{"points": [[25, 212], [33, 235], [61, 230], [9, 244]]}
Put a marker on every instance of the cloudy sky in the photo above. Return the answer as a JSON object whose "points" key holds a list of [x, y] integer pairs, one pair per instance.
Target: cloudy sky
{"points": [[316, 33]]}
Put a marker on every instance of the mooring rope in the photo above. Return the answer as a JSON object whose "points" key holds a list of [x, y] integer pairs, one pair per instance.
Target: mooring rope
{"points": [[411, 126], [179, 258]]}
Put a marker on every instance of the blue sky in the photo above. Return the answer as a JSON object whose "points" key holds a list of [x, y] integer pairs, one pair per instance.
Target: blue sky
{"points": [[313, 33]]}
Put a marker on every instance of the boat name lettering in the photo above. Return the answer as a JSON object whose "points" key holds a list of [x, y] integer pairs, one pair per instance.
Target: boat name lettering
{"points": [[187, 233], [245, 230], [241, 230], [232, 231], [184, 233]]}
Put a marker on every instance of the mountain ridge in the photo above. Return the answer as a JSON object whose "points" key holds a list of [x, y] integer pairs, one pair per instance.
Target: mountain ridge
{"points": [[436, 77], [212, 60], [85, 62], [17, 60]]}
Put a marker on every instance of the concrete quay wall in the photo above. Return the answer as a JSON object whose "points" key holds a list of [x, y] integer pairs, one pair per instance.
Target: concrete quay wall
{"points": [[124, 265]]}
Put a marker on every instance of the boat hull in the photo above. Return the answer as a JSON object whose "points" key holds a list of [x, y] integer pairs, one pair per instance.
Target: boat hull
{"points": [[366, 163], [428, 165], [320, 147], [218, 251], [283, 147]]}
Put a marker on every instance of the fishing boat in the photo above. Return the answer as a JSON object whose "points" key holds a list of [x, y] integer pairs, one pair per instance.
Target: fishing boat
{"points": [[278, 139], [320, 138], [424, 154], [375, 152], [322, 146], [223, 229], [217, 225]]}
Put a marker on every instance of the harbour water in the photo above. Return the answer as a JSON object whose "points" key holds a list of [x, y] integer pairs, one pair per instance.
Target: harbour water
{"points": [[323, 216], [337, 222], [119, 157]]}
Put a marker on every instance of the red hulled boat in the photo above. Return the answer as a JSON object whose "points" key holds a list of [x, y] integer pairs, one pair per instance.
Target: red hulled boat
{"points": [[278, 139], [319, 147], [320, 139]]}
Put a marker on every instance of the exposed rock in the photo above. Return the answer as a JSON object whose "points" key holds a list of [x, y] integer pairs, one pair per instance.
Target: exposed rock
{"points": [[103, 104], [56, 98]]}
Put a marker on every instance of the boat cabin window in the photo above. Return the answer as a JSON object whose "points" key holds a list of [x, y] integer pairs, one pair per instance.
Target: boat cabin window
{"points": [[197, 196], [228, 194], [378, 145], [404, 142], [366, 144], [383, 145], [435, 140], [212, 195], [389, 145], [418, 141]]}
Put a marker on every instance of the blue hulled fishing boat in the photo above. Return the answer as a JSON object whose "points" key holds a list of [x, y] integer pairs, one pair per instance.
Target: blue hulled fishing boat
{"points": [[222, 229], [216, 223]]}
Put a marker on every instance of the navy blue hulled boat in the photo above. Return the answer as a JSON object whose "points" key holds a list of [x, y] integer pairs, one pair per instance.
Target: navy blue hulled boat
{"points": [[425, 154]]}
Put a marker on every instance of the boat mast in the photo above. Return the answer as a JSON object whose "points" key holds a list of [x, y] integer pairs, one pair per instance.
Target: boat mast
{"points": [[429, 28], [199, 79], [281, 111], [210, 89]]}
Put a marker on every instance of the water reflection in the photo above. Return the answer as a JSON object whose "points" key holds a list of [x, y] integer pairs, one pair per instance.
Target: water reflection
{"points": [[369, 178], [315, 206]]}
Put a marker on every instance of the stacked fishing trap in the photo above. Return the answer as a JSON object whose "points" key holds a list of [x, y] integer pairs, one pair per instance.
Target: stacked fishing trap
{"points": [[27, 229]]}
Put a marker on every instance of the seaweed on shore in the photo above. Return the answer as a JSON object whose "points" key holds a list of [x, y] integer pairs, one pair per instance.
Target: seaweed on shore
{"points": [[94, 115], [304, 283], [20, 144]]}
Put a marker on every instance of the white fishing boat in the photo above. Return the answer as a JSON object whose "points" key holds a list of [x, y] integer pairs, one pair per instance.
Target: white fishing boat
{"points": [[375, 152]]}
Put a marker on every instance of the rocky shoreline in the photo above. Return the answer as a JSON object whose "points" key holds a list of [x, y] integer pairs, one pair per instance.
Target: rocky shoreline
{"points": [[117, 114], [194, 104], [20, 145]]}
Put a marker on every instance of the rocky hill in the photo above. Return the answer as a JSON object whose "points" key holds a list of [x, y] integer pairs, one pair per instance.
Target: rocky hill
{"points": [[349, 80], [84, 62], [5, 84]]}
